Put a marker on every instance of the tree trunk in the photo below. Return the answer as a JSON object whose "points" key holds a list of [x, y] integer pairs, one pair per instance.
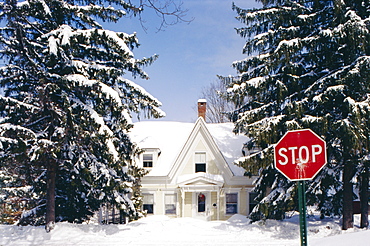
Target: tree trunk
{"points": [[50, 196], [364, 198], [113, 214], [347, 195]]}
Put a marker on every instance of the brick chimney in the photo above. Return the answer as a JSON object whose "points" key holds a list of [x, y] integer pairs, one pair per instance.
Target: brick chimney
{"points": [[202, 106]]}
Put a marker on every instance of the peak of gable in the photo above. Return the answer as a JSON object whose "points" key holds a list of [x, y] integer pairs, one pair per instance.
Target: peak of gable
{"points": [[170, 137]]}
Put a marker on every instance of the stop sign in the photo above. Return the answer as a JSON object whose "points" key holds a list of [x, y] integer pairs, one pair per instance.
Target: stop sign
{"points": [[300, 155]]}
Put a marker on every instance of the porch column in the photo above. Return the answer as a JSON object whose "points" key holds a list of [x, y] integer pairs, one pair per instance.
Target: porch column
{"points": [[182, 202], [218, 203]]}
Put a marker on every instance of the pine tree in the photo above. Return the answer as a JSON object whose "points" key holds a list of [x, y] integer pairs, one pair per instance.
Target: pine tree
{"points": [[66, 107], [307, 67]]}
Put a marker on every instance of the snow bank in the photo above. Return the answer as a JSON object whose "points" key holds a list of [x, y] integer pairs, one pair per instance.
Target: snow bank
{"points": [[238, 218], [161, 230]]}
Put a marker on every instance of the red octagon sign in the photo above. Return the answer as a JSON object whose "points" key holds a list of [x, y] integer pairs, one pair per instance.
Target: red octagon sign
{"points": [[300, 155]]}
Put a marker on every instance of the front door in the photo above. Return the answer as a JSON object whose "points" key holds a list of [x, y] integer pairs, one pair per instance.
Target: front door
{"points": [[201, 205]]}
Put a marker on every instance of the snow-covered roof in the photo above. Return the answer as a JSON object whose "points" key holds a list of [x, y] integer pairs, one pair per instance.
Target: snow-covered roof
{"points": [[170, 137]]}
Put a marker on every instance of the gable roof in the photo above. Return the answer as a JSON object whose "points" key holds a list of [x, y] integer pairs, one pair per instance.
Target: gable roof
{"points": [[200, 177], [171, 137]]}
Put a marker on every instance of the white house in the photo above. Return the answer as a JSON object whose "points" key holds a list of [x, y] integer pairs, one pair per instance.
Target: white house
{"points": [[191, 170]]}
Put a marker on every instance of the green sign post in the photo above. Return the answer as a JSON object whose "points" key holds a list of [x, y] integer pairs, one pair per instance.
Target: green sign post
{"points": [[302, 212]]}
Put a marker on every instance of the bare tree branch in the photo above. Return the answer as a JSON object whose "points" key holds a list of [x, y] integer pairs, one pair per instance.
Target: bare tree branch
{"points": [[170, 12], [217, 105]]}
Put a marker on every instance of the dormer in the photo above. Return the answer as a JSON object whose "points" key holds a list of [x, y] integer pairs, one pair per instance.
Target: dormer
{"points": [[149, 157]]}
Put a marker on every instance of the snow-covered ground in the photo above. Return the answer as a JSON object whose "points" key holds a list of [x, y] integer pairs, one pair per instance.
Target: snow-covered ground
{"points": [[161, 230]]}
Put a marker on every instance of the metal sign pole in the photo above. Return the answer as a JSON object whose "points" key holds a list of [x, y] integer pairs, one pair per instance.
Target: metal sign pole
{"points": [[302, 212]]}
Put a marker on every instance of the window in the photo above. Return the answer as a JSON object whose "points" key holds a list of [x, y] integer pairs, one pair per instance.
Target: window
{"points": [[200, 162], [231, 203], [147, 160], [148, 203], [170, 203], [252, 201], [200, 167], [201, 203]]}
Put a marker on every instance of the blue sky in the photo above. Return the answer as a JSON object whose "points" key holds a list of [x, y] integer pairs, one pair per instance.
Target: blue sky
{"points": [[190, 55]]}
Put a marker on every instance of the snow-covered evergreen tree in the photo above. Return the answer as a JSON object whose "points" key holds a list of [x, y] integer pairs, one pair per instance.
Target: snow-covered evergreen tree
{"points": [[13, 197], [307, 67], [66, 107]]}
